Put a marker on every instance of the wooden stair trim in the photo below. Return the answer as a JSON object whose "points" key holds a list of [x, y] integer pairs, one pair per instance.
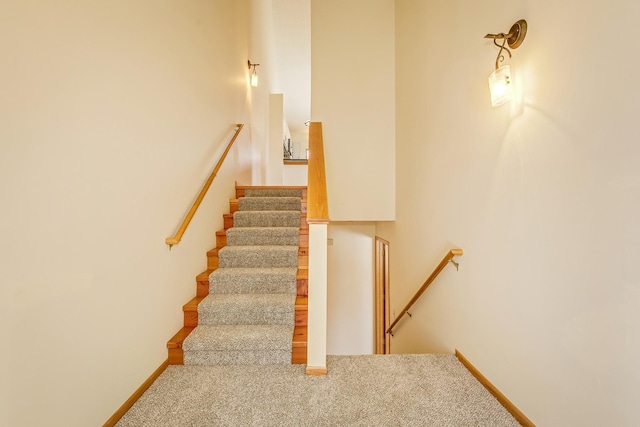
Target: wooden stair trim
{"points": [[504, 401], [174, 345], [113, 420], [190, 312], [315, 371]]}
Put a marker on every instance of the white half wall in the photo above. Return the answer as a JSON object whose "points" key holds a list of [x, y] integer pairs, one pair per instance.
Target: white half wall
{"points": [[353, 95], [350, 288], [295, 175], [276, 134]]}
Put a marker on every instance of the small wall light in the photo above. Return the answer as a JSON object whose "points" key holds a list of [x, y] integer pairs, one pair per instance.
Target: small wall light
{"points": [[254, 74], [500, 80]]}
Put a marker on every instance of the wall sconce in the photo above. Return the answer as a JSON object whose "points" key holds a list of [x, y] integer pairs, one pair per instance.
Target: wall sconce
{"points": [[500, 80], [254, 74]]}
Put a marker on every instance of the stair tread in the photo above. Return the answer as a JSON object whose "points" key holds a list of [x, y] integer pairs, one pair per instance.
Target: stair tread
{"points": [[239, 337], [258, 256], [223, 232], [253, 280], [285, 218], [268, 203], [259, 236]]}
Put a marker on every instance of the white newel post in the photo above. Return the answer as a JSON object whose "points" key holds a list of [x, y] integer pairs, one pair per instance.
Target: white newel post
{"points": [[317, 320]]}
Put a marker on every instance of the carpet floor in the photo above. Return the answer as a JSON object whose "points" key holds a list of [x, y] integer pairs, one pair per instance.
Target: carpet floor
{"points": [[394, 390]]}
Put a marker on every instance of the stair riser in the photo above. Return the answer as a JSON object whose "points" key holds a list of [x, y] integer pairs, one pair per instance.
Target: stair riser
{"points": [[176, 356], [244, 239], [202, 287], [299, 345], [203, 358], [302, 286], [258, 260], [191, 318], [234, 206], [301, 316], [240, 191], [299, 355]]}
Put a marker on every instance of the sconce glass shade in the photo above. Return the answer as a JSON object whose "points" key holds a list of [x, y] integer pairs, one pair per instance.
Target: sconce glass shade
{"points": [[254, 78], [500, 86]]}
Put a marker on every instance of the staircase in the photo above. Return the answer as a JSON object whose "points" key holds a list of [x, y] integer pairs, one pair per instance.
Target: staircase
{"points": [[251, 302]]}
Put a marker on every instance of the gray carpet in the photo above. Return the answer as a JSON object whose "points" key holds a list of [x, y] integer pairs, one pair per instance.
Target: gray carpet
{"points": [[248, 317], [396, 390]]}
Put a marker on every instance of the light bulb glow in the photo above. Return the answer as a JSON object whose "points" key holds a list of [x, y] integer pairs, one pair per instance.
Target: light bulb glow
{"points": [[254, 78], [500, 86]]}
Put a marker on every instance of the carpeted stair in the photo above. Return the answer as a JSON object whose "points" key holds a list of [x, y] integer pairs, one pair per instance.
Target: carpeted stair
{"points": [[248, 316]]}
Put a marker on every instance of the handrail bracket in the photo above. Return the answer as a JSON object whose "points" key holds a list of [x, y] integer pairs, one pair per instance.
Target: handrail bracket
{"points": [[457, 264]]}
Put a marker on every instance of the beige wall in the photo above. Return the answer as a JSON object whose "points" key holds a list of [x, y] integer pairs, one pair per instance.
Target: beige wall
{"points": [[542, 195], [275, 168], [263, 51], [352, 86], [111, 117]]}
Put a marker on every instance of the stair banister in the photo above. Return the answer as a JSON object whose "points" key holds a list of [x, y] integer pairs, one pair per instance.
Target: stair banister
{"points": [[318, 219], [447, 259], [185, 223]]}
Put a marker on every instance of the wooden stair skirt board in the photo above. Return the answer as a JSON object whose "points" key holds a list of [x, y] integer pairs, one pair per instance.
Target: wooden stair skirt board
{"points": [[513, 410], [190, 309]]}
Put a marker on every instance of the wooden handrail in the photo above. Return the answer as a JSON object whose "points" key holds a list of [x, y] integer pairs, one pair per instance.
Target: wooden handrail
{"points": [[317, 204], [176, 239], [448, 257]]}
